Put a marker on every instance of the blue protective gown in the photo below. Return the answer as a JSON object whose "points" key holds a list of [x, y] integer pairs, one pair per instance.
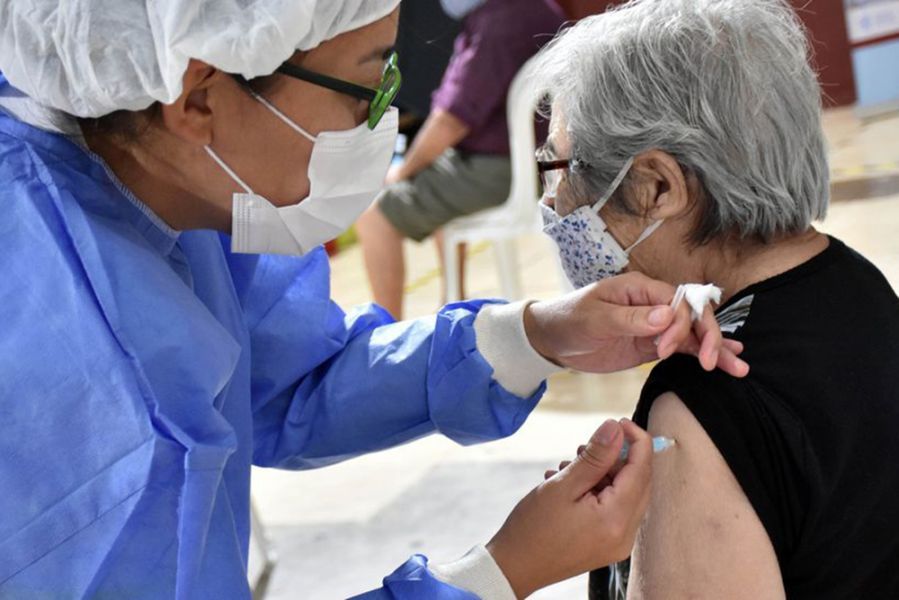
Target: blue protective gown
{"points": [[143, 371]]}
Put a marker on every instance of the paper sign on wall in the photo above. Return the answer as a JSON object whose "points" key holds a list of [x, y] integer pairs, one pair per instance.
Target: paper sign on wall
{"points": [[871, 19]]}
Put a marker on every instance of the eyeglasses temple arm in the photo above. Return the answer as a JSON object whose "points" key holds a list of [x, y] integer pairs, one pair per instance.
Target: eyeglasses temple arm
{"points": [[337, 85]]}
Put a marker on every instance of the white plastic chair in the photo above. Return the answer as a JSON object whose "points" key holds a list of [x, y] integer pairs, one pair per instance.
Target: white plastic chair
{"points": [[518, 216]]}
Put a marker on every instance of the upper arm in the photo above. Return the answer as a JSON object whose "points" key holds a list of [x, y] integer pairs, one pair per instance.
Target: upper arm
{"points": [[701, 537]]}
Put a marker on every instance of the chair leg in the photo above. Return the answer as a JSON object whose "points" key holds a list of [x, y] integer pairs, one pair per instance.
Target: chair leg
{"points": [[451, 268], [507, 268]]}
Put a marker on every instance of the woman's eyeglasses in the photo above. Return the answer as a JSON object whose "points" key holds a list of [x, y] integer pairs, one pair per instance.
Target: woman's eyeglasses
{"points": [[379, 99]]}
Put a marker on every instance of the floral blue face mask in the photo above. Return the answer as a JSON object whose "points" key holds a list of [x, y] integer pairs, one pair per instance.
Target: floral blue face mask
{"points": [[588, 251]]}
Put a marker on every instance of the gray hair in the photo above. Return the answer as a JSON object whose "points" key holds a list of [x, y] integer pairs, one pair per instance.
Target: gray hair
{"points": [[724, 86]]}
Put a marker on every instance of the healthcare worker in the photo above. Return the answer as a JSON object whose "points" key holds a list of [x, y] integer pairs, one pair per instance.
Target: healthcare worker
{"points": [[153, 156]]}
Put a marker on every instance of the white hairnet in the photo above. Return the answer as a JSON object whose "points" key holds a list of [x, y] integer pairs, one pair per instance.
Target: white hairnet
{"points": [[89, 58]]}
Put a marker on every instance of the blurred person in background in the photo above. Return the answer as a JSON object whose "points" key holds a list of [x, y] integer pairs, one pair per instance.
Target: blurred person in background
{"points": [[459, 162]]}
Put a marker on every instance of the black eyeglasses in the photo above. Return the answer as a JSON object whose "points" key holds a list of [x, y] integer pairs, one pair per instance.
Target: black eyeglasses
{"points": [[379, 99], [551, 172]]}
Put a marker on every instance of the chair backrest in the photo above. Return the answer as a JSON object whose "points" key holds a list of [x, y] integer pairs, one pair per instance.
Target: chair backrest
{"points": [[519, 212], [521, 106]]}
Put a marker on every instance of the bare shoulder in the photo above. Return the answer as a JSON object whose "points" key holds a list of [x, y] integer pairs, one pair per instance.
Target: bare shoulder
{"points": [[701, 537]]}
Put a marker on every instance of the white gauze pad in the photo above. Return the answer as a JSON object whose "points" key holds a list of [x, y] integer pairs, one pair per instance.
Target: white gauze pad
{"points": [[698, 296]]}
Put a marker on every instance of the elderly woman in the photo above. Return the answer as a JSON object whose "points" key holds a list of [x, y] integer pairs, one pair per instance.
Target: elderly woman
{"points": [[689, 132]]}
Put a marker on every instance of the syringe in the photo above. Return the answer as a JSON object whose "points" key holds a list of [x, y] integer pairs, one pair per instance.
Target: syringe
{"points": [[659, 444]]}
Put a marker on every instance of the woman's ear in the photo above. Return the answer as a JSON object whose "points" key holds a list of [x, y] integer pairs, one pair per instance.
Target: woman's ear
{"points": [[190, 116], [661, 185]]}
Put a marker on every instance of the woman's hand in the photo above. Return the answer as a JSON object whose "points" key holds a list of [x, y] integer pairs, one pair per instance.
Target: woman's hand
{"points": [[581, 518], [623, 322]]}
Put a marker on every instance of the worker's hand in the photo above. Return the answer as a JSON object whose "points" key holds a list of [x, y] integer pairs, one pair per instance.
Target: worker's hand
{"points": [[614, 325], [583, 517]]}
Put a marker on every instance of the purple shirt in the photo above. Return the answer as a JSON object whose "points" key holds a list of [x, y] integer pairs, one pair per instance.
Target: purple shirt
{"points": [[496, 40]]}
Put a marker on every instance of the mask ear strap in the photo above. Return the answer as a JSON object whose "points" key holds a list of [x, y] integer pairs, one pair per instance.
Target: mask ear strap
{"points": [[228, 169], [283, 117], [646, 233], [615, 183]]}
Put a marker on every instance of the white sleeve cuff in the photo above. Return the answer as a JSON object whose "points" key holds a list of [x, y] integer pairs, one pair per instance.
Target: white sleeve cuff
{"points": [[478, 573], [503, 343]]}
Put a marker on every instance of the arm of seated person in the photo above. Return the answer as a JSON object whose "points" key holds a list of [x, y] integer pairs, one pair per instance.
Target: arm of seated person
{"points": [[441, 131], [701, 537]]}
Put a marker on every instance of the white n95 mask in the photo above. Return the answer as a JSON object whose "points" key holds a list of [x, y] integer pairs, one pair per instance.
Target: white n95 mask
{"points": [[346, 172], [587, 249]]}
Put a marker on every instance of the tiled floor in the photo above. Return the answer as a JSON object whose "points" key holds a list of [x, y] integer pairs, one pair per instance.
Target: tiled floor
{"points": [[339, 530], [860, 149]]}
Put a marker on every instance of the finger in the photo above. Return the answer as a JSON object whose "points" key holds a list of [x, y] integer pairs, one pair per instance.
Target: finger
{"points": [[647, 348], [599, 487], [613, 320], [728, 359], [609, 478], [689, 346], [709, 334], [635, 289], [596, 460], [633, 479], [564, 464], [643, 503], [639, 440], [549, 474], [731, 364], [733, 346], [679, 332], [581, 448]]}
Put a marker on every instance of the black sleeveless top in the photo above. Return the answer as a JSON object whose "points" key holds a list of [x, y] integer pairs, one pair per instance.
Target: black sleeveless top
{"points": [[812, 434]]}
